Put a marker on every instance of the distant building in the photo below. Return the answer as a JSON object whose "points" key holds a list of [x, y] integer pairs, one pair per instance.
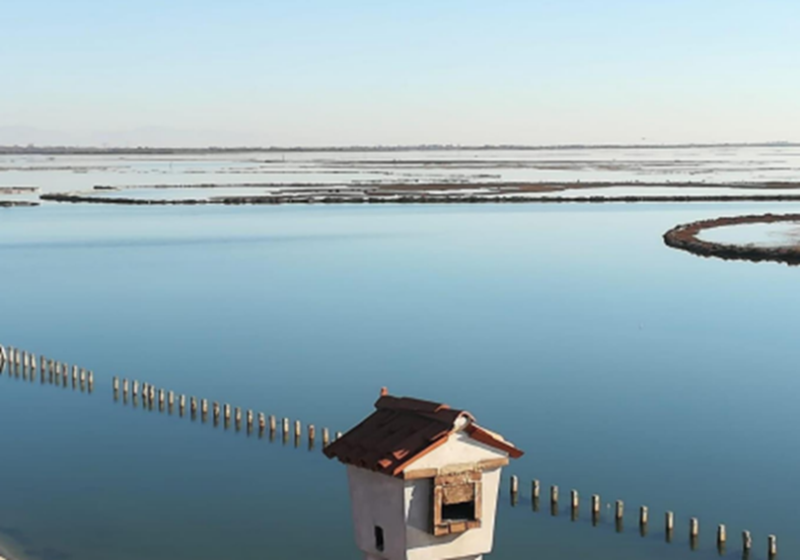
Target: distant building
{"points": [[424, 480]]}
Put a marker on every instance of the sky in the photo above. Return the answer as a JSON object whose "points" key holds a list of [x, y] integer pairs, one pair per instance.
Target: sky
{"points": [[359, 72]]}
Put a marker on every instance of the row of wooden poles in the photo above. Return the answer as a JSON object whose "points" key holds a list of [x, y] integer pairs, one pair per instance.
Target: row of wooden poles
{"points": [[644, 518], [27, 363], [166, 399]]}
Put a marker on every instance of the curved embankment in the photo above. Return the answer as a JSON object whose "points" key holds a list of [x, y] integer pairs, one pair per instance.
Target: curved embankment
{"points": [[416, 198], [684, 237]]}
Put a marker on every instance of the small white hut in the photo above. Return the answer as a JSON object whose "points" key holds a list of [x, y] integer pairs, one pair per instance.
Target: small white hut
{"points": [[424, 480]]}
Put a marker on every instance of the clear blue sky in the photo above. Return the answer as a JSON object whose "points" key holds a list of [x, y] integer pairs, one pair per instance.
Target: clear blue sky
{"points": [[368, 72]]}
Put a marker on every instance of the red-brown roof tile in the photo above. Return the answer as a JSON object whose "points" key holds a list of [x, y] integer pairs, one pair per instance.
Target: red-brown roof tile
{"points": [[403, 429]]}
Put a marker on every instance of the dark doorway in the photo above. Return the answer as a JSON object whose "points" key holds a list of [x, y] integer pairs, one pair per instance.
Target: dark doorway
{"points": [[379, 538]]}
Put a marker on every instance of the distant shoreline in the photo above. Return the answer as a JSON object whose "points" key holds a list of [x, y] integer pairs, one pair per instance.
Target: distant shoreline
{"points": [[441, 193], [155, 150], [410, 199]]}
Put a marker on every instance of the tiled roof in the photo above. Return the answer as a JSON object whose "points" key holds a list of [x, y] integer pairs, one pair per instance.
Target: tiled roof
{"points": [[403, 429]]}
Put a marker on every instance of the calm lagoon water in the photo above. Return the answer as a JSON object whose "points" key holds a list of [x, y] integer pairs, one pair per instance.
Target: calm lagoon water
{"points": [[620, 366]]}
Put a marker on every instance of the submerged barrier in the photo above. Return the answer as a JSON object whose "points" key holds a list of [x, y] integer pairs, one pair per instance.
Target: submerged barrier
{"points": [[25, 365], [163, 400], [643, 518]]}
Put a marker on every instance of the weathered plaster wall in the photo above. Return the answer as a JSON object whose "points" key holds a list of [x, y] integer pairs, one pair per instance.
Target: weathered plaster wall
{"points": [[422, 545], [377, 499]]}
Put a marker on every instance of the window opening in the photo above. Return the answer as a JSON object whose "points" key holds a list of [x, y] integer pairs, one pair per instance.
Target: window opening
{"points": [[464, 511]]}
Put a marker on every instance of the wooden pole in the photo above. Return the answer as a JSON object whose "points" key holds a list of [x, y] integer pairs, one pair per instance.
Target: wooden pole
{"points": [[272, 423], [643, 516], [514, 484], [171, 398], [554, 494], [694, 532], [297, 429], [193, 404], [311, 433], [669, 522], [747, 542], [722, 536], [135, 389], [115, 384], [772, 546], [182, 402], [596, 504], [204, 406], [249, 418], [619, 511], [326, 437], [574, 504], [262, 421], [536, 489], [161, 396], [227, 411]]}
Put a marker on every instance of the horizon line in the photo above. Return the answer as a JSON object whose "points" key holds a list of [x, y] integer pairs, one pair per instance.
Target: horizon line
{"points": [[56, 149]]}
